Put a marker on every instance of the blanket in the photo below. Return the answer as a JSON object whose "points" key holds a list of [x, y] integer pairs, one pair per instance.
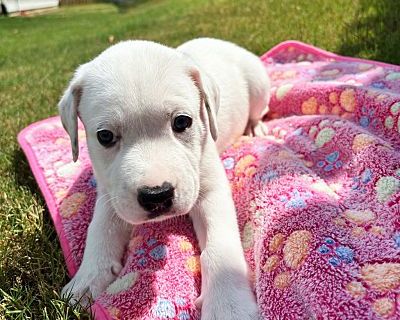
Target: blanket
{"points": [[317, 198]]}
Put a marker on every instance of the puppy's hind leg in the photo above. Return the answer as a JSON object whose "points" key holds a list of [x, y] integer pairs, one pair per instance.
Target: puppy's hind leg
{"points": [[259, 95]]}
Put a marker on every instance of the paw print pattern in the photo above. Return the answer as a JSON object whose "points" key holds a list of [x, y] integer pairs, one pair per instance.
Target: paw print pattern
{"points": [[246, 167], [92, 182], [296, 199], [391, 119], [361, 222], [386, 187], [149, 253], [336, 253], [292, 251], [396, 240], [380, 278], [342, 103], [360, 182], [266, 176], [368, 119], [70, 206], [331, 162], [362, 141], [178, 309], [321, 134]]}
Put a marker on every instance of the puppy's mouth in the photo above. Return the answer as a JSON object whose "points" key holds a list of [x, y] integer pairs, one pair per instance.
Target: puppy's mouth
{"points": [[159, 209]]}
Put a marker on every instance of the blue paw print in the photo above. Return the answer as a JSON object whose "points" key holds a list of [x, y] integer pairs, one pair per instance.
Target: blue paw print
{"points": [[331, 162], [297, 199], [345, 254], [397, 240], [338, 254], [164, 309], [266, 176], [334, 261], [93, 182], [378, 85], [142, 262], [153, 249], [298, 132], [367, 118], [159, 252], [228, 163], [362, 180], [184, 315]]}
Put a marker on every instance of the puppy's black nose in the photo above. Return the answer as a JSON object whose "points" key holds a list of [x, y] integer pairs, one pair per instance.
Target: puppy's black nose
{"points": [[156, 200]]}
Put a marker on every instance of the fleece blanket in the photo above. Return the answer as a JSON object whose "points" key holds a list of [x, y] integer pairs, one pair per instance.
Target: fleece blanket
{"points": [[317, 200]]}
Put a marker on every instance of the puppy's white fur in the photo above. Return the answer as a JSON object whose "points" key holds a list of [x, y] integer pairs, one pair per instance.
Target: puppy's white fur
{"points": [[135, 89]]}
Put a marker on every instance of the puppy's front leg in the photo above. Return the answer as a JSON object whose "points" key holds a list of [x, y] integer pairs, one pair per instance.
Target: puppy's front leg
{"points": [[226, 292], [106, 240]]}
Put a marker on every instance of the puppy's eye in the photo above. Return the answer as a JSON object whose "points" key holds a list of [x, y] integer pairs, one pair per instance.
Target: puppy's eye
{"points": [[106, 138], [181, 123]]}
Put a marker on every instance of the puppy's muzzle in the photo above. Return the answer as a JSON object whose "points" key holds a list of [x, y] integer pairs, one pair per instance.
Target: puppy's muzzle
{"points": [[156, 200]]}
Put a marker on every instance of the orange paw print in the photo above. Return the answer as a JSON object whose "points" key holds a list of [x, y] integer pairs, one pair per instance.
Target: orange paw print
{"points": [[381, 278], [246, 167], [70, 205], [114, 313], [343, 104], [290, 252], [309, 106]]}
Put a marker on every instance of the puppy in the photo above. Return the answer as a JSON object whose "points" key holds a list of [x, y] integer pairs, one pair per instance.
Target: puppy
{"points": [[156, 119]]}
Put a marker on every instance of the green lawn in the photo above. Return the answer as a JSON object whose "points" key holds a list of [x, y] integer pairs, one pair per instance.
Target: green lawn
{"points": [[39, 54]]}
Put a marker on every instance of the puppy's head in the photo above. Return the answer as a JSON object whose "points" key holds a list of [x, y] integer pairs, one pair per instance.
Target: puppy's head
{"points": [[147, 111]]}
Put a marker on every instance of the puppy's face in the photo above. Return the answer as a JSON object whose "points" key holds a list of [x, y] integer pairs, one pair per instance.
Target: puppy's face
{"points": [[141, 105]]}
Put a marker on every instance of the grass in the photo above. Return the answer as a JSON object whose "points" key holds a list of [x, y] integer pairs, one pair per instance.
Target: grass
{"points": [[37, 58]]}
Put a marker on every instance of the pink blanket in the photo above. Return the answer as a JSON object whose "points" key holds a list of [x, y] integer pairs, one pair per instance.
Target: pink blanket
{"points": [[317, 200]]}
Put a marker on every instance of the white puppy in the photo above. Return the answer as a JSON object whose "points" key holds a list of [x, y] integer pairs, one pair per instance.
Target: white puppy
{"points": [[156, 119]]}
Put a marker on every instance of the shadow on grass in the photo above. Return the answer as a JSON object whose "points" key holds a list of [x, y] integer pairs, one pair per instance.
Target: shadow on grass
{"points": [[374, 32], [22, 172], [125, 5], [32, 271]]}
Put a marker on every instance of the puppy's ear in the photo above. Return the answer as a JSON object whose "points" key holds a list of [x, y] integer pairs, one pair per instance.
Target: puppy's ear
{"points": [[210, 95], [68, 109]]}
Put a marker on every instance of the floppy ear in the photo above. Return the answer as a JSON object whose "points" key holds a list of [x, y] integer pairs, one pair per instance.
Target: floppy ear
{"points": [[68, 108], [210, 95]]}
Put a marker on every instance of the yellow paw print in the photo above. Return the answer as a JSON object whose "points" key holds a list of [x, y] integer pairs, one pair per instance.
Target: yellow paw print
{"points": [[390, 120], [384, 307], [361, 222], [283, 90], [294, 250], [386, 187], [362, 141], [193, 264], [322, 134]]}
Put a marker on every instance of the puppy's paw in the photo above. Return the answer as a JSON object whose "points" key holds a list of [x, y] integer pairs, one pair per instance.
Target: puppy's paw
{"points": [[260, 129], [89, 282], [228, 303], [256, 129]]}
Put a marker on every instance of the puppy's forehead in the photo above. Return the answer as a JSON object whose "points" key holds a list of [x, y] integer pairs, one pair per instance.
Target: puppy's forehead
{"points": [[140, 80]]}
